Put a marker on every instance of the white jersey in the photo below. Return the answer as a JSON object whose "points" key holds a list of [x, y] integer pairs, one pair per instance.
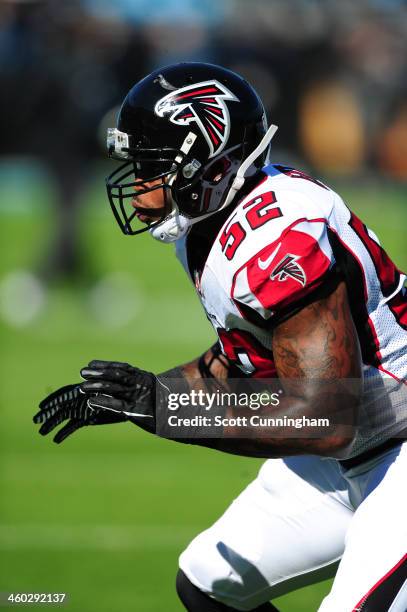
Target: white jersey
{"points": [[284, 244]]}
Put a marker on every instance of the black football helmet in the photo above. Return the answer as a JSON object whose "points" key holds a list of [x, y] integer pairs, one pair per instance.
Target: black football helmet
{"points": [[194, 130]]}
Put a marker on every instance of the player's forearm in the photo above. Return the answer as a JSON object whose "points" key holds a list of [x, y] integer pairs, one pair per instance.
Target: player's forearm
{"points": [[313, 417], [326, 427]]}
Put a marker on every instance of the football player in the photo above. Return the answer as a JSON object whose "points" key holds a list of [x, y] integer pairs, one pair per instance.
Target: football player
{"points": [[298, 289]]}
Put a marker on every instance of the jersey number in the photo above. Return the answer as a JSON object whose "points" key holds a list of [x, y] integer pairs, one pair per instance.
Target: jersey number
{"points": [[260, 210]]}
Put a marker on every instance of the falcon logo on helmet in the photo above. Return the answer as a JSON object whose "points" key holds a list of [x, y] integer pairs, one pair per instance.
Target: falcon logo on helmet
{"points": [[204, 104], [289, 268]]}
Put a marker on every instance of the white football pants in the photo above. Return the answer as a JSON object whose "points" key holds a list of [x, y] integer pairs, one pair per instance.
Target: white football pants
{"points": [[296, 521]]}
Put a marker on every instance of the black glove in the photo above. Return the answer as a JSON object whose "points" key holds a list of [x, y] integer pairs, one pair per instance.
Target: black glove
{"points": [[70, 403], [123, 389]]}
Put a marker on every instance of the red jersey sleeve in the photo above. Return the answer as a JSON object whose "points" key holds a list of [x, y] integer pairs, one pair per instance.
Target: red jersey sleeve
{"points": [[282, 274]]}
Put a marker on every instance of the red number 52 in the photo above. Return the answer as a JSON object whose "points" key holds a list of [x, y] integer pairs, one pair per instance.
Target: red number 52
{"points": [[260, 211]]}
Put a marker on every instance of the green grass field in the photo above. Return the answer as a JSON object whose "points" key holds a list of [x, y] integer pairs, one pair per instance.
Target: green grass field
{"points": [[104, 516]]}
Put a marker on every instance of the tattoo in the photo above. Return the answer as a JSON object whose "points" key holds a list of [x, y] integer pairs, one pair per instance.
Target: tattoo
{"points": [[319, 342]]}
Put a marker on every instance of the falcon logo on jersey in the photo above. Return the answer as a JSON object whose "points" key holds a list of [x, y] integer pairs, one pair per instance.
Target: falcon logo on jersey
{"points": [[289, 268], [204, 104]]}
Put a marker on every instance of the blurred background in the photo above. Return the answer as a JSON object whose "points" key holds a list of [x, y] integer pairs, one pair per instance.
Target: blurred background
{"points": [[105, 516]]}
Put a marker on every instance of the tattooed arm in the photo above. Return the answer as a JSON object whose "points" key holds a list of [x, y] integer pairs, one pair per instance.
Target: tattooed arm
{"points": [[316, 354]]}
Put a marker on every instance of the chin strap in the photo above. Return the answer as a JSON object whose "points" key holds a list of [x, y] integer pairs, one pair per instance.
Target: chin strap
{"points": [[240, 175], [175, 225]]}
